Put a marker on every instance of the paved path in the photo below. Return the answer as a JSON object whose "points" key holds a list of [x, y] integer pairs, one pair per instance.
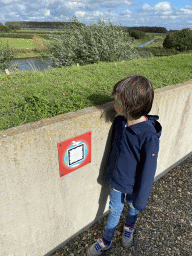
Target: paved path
{"points": [[164, 228]]}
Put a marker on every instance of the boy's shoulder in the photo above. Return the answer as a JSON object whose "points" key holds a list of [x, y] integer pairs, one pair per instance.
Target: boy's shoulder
{"points": [[151, 126]]}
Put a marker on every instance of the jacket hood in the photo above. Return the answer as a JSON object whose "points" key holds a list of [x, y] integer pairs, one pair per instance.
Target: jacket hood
{"points": [[151, 125]]}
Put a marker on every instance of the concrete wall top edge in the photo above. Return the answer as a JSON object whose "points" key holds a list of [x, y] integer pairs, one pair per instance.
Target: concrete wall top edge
{"points": [[175, 86], [67, 116]]}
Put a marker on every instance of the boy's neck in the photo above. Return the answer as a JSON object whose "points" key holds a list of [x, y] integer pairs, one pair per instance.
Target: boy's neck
{"points": [[132, 122]]}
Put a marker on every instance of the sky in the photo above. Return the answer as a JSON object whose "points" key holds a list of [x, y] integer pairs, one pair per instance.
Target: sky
{"points": [[173, 15]]}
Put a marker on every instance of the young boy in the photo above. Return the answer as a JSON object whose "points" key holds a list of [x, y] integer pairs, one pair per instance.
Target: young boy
{"points": [[133, 158]]}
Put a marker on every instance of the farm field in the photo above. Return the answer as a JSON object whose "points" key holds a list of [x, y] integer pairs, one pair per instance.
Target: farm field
{"points": [[19, 43]]}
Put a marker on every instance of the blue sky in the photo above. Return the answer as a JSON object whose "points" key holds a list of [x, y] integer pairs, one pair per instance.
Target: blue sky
{"points": [[174, 14]]}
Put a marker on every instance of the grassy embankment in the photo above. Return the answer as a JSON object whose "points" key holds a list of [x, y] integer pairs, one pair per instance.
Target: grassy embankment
{"points": [[30, 96]]}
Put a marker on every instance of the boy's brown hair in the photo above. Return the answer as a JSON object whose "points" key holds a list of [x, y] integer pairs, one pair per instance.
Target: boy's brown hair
{"points": [[136, 94]]}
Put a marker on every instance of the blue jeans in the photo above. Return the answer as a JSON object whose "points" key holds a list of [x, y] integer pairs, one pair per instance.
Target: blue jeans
{"points": [[116, 206]]}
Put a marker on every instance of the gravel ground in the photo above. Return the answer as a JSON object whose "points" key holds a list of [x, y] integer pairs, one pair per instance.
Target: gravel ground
{"points": [[164, 228]]}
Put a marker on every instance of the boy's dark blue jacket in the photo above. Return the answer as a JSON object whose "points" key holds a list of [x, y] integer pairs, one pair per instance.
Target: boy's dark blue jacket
{"points": [[133, 159]]}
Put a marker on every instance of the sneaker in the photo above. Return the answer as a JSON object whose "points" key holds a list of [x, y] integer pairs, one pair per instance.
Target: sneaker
{"points": [[127, 237], [98, 248]]}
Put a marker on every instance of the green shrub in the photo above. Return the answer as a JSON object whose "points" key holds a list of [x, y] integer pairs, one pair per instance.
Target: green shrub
{"points": [[13, 27], [137, 34], [4, 28], [90, 44], [6, 55], [181, 40]]}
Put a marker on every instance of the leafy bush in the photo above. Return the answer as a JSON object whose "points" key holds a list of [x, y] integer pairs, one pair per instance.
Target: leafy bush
{"points": [[4, 28], [14, 27], [137, 34], [181, 40], [90, 44], [6, 55]]}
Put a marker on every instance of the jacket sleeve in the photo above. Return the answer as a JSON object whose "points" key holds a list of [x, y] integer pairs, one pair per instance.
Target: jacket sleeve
{"points": [[145, 173]]}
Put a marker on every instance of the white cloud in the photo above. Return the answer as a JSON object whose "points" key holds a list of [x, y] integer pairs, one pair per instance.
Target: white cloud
{"points": [[46, 12], [168, 12], [21, 7], [13, 13], [114, 4], [147, 7], [97, 14], [33, 6], [125, 12], [8, 1], [162, 6], [73, 5], [163, 17], [80, 14], [187, 11]]}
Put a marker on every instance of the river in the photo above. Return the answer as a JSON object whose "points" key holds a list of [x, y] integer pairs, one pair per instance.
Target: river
{"points": [[33, 64]]}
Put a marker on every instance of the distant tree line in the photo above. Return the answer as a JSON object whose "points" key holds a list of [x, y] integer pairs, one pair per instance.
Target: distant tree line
{"points": [[147, 29], [172, 31], [36, 24], [11, 25]]}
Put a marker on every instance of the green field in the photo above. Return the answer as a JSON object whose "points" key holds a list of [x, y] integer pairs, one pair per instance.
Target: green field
{"points": [[18, 43]]}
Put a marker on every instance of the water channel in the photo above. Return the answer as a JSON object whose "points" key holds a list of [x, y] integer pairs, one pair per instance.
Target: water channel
{"points": [[32, 64]]}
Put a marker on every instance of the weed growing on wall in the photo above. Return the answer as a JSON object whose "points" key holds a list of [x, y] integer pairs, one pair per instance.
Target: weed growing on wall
{"points": [[90, 44]]}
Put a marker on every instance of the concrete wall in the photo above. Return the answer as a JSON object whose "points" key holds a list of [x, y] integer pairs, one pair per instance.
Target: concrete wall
{"points": [[39, 210]]}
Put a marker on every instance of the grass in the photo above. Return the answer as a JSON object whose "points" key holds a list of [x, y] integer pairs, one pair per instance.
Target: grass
{"points": [[19, 43], [30, 96]]}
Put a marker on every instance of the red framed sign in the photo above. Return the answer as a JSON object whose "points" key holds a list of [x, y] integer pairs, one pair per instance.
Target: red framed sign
{"points": [[74, 153]]}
